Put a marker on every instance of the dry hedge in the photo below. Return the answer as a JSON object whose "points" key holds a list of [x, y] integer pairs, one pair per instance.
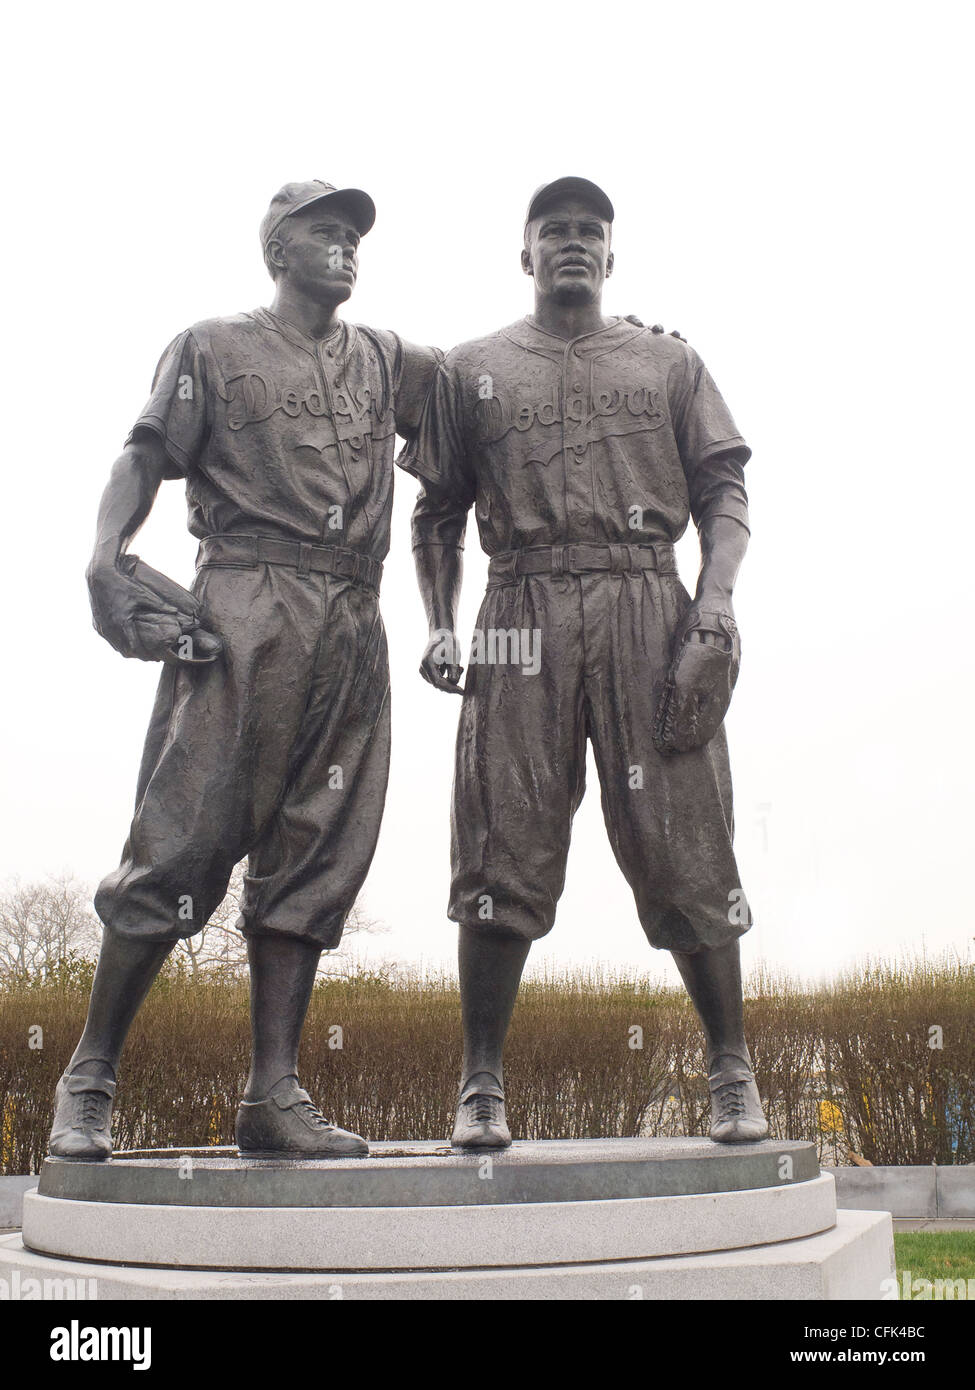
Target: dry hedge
{"points": [[880, 1061]]}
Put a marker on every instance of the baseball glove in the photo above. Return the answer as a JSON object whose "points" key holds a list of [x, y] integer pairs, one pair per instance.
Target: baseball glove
{"points": [[152, 633], [699, 684]]}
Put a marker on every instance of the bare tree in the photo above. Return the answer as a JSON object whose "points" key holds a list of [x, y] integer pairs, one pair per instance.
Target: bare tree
{"points": [[220, 945], [42, 923]]}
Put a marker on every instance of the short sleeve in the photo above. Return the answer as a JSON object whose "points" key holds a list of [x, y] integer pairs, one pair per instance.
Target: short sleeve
{"points": [[418, 366], [438, 453], [438, 457], [177, 410], [712, 451]]}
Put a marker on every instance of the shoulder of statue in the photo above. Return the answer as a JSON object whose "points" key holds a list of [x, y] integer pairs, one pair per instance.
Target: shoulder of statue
{"points": [[208, 333], [659, 329], [227, 323], [476, 352], [656, 330], [384, 338]]}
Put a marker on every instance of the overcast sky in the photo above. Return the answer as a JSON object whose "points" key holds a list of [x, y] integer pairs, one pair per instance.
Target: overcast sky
{"points": [[792, 189]]}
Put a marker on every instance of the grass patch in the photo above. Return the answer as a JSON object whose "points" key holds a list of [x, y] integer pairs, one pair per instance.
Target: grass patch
{"points": [[936, 1255]]}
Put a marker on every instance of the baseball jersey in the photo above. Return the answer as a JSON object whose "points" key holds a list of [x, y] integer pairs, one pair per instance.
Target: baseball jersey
{"points": [[619, 435], [286, 436]]}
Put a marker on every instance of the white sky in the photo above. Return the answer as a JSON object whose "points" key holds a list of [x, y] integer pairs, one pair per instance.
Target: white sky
{"points": [[792, 192]]}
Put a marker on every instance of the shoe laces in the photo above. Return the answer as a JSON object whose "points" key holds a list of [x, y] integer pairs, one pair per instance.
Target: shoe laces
{"points": [[731, 1099], [312, 1113], [93, 1110], [484, 1109]]}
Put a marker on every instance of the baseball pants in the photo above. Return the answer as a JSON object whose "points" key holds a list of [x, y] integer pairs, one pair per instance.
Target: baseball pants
{"points": [[278, 751], [604, 651]]}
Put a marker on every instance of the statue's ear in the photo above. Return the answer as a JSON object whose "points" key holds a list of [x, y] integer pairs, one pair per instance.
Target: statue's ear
{"points": [[276, 255], [526, 263], [609, 265]]}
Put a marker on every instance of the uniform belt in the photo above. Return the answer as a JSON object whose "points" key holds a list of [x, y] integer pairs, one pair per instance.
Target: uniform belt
{"points": [[250, 551], [577, 557]]}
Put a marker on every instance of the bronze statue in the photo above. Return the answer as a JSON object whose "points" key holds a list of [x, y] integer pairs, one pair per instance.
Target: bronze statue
{"points": [[270, 732], [585, 444]]}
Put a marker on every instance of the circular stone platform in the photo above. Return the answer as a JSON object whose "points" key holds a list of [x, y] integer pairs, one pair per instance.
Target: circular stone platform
{"points": [[413, 1174], [419, 1207]]}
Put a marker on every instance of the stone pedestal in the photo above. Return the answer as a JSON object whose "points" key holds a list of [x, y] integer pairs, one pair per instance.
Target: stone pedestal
{"points": [[581, 1219]]}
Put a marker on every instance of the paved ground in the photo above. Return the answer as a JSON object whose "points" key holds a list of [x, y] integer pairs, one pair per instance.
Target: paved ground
{"points": [[924, 1223]]}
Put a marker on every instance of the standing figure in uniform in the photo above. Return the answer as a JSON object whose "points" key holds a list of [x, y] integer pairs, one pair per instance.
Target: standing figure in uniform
{"points": [[585, 444], [270, 733]]}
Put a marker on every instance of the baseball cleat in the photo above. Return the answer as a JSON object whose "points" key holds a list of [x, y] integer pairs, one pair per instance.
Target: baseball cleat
{"points": [[481, 1122], [287, 1124], [736, 1109], [82, 1117]]}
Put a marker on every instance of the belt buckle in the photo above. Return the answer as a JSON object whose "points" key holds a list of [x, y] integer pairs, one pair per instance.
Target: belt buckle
{"points": [[573, 561], [664, 558], [620, 558], [346, 563]]}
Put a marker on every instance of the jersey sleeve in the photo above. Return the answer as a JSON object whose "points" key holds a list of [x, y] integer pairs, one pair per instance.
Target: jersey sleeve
{"points": [[438, 457], [177, 411], [712, 451], [438, 519], [418, 366]]}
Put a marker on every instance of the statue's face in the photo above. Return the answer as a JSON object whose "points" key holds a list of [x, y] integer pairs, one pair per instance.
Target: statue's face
{"points": [[319, 250], [567, 252]]}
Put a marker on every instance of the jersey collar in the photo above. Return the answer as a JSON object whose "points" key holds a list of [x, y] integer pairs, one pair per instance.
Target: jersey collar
{"points": [[338, 339], [528, 335]]}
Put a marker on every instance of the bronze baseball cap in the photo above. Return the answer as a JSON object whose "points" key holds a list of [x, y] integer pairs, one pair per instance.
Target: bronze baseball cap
{"points": [[585, 188], [295, 196]]}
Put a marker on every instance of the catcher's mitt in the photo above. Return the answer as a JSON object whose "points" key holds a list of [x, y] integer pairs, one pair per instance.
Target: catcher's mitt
{"points": [[699, 684]]}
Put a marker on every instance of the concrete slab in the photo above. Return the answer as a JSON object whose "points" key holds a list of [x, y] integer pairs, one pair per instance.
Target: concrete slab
{"points": [[360, 1238], [12, 1191], [956, 1190], [905, 1191], [908, 1223], [852, 1260]]}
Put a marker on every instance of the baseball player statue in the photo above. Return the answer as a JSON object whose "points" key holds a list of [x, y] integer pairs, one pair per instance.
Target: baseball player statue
{"points": [[585, 444], [270, 733]]}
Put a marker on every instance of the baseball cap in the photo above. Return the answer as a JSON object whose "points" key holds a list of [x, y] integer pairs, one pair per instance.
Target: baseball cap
{"points": [[295, 196], [585, 189]]}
